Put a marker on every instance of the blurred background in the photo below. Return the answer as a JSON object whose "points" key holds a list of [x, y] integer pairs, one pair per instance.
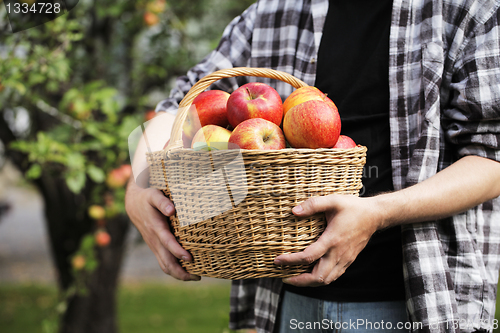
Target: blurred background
{"points": [[71, 91]]}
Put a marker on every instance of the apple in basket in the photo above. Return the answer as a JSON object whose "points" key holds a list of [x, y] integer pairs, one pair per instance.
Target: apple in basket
{"points": [[345, 142], [208, 108], [254, 100], [312, 124], [257, 133], [305, 94], [211, 137]]}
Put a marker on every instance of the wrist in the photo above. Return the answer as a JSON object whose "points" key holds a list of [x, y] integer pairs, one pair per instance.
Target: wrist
{"points": [[130, 198], [389, 209]]}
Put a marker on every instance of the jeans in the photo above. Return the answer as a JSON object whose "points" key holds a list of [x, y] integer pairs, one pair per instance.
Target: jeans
{"points": [[308, 315]]}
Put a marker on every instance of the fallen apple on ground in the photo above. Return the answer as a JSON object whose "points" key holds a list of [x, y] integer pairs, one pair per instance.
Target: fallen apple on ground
{"points": [[257, 133], [254, 100]]}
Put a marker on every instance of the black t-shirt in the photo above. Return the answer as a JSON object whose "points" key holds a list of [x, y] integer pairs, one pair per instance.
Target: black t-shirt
{"points": [[353, 66]]}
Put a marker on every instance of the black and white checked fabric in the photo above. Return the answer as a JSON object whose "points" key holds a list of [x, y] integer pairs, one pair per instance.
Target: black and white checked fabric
{"points": [[444, 74]]}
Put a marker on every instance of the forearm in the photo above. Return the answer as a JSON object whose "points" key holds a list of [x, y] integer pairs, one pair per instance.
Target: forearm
{"points": [[463, 185]]}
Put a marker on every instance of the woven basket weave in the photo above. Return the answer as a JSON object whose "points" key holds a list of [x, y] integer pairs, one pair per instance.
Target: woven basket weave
{"points": [[242, 241]]}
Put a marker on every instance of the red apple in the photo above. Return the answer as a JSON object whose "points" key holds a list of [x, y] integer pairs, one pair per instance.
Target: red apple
{"points": [[118, 177], [305, 94], [213, 136], [312, 124], [102, 238], [208, 108], [345, 142], [150, 115], [254, 100], [126, 170], [151, 19], [257, 133]]}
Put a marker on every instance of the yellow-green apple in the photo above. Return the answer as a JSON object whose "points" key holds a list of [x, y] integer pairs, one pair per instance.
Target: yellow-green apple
{"points": [[97, 212], [257, 133], [78, 262], [305, 94], [208, 108], [312, 124], [156, 6], [345, 142], [212, 136], [254, 100]]}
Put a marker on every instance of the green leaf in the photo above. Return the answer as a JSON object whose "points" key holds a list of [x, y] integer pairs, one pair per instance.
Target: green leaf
{"points": [[21, 88], [96, 173], [75, 181], [34, 172], [87, 243], [75, 161], [36, 78], [91, 265]]}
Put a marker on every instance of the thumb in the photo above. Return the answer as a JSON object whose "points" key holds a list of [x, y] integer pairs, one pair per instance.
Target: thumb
{"points": [[315, 205]]}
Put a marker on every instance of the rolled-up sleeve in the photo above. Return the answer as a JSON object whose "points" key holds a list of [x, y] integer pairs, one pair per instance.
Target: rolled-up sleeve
{"points": [[233, 51], [472, 122]]}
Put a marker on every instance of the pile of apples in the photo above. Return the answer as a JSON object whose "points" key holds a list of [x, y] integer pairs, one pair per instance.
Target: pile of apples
{"points": [[255, 112]]}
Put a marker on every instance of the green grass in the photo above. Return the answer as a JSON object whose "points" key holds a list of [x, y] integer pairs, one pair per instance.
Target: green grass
{"points": [[145, 308], [23, 308], [189, 308]]}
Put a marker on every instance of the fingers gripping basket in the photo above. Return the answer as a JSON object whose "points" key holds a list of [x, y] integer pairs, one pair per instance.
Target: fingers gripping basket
{"points": [[240, 239]]}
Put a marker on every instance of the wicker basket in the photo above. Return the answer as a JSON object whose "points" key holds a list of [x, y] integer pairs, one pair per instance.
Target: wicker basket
{"points": [[245, 236]]}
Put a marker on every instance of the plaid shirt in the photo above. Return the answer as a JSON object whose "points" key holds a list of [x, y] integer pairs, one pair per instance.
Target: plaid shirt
{"points": [[444, 74]]}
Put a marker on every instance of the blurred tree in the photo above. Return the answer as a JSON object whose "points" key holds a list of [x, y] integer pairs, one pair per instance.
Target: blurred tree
{"points": [[71, 91]]}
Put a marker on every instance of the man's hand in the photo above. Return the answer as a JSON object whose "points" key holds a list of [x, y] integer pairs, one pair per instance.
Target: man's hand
{"points": [[147, 209], [468, 182], [351, 221]]}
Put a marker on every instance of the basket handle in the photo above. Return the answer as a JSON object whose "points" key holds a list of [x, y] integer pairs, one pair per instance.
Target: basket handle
{"points": [[205, 82]]}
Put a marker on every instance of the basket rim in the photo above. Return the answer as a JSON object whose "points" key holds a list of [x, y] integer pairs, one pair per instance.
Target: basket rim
{"points": [[358, 149]]}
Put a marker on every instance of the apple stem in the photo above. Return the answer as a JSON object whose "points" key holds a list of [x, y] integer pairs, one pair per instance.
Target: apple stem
{"points": [[249, 93]]}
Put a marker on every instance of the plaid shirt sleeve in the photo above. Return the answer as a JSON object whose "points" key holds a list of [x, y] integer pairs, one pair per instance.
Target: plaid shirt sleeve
{"points": [[233, 51], [472, 123], [446, 96]]}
